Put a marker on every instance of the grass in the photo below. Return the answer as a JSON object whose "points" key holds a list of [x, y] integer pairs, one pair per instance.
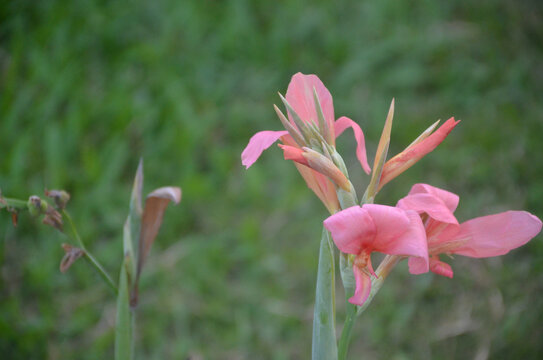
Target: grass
{"points": [[87, 87]]}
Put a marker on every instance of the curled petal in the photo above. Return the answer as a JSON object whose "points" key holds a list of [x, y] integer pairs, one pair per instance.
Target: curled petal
{"points": [[352, 229], [343, 123], [418, 265], [257, 144], [440, 267], [412, 154], [429, 204], [300, 97], [449, 199], [363, 287], [495, 235]]}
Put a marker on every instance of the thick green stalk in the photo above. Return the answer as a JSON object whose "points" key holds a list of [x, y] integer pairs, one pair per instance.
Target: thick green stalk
{"points": [[347, 276], [324, 345]]}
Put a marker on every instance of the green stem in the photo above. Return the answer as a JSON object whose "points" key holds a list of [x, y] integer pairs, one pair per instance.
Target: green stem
{"points": [[385, 267], [12, 203], [91, 259], [346, 336]]}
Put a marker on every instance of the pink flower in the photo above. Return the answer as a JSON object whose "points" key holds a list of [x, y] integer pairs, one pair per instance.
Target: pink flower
{"points": [[386, 229], [482, 237], [300, 97]]}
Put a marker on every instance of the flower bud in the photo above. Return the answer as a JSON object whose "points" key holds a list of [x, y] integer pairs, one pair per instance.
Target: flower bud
{"points": [[293, 153], [36, 206], [60, 197], [325, 166]]}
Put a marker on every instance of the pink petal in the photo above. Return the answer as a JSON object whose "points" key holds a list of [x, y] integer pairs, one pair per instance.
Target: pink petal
{"points": [[412, 154], [440, 268], [417, 265], [401, 237], [343, 123], [363, 287], [321, 186], [258, 143], [497, 234], [450, 199], [390, 222], [429, 204], [352, 229], [300, 97]]}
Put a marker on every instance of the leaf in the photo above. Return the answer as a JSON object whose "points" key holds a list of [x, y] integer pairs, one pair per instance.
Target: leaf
{"points": [[132, 224], [155, 205], [124, 321], [123, 325], [324, 345], [380, 156]]}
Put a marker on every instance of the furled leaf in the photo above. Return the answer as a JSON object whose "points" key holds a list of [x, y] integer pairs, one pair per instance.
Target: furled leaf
{"points": [[133, 221], [324, 345], [153, 213], [380, 156]]}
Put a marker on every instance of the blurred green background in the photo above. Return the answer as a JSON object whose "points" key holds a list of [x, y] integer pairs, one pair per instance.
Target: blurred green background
{"points": [[87, 87]]}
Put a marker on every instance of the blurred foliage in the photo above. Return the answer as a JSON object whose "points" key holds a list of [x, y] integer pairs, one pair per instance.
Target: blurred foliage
{"points": [[87, 87]]}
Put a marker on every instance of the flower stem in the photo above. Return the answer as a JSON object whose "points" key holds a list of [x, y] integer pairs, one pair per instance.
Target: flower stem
{"points": [[92, 260], [345, 338], [386, 266]]}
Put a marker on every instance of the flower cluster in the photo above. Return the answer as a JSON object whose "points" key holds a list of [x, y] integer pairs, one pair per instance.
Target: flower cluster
{"points": [[420, 227], [423, 226]]}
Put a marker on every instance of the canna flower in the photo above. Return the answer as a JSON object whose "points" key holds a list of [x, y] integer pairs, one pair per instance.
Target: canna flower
{"points": [[482, 237], [302, 93], [390, 230], [423, 145]]}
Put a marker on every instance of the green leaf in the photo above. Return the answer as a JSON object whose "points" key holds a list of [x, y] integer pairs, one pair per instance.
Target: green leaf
{"points": [[124, 323], [324, 323], [380, 157], [133, 222], [123, 328]]}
